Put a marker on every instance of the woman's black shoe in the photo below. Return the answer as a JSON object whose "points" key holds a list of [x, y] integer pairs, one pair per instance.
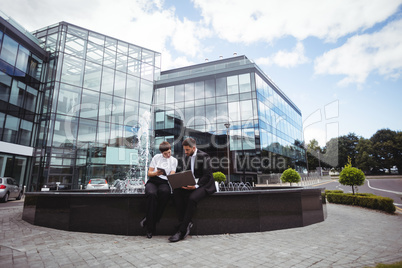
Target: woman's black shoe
{"points": [[149, 235]]}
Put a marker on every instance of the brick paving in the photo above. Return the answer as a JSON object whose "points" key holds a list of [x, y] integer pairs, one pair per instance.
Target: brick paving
{"points": [[349, 237]]}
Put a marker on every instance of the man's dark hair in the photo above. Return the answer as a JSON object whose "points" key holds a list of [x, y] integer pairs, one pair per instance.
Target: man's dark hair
{"points": [[164, 146], [189, 142]]}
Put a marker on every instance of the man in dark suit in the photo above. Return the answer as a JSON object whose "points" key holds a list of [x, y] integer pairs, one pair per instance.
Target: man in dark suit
{"points": [[187, 198]]}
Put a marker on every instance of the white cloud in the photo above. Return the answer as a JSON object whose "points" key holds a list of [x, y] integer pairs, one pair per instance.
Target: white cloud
{"points": [[361, 55], [285, 58], [260, 20]]}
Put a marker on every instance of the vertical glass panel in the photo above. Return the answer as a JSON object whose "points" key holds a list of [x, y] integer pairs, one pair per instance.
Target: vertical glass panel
{"points": [[105, 108], [248, 139], [17, 93], [111, 44], [235, 139], [94, 52], [120, 84], [199, 88], [157, 60], [189, 117], [199, 111], [35, 67], [25, 132], [5, 86], [92, 76], [222, 113], [234, 111], [179, 93], [210, 112], [97, 38], [221, 86], [244, 83], [22, 59], [9, 50], [118, 108], [159, 120], [134, 67], [210, 88], [2, 119], [232, 84], [130, 111], [65, 131], [246, 109], [86, 130], [109, 58], [189, 92], [69, 100], [134, 52], [133, 88], [89, 105], [122, 47], [146, 91], [31, 95], [103, 133], [148, 56], [73, 70], [160, 95], [121, 63], [169, 119], [107, 80], [170, 94], [147, 72], [11, 129], [75, 46], [82, 33]]}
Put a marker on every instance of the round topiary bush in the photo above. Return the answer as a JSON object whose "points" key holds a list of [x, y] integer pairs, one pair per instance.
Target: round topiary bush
{"points": [[290, 175], [351, 176], [219, 177]]}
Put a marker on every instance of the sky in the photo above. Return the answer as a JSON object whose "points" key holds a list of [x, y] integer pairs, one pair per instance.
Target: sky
{"points": [[339, 61]]}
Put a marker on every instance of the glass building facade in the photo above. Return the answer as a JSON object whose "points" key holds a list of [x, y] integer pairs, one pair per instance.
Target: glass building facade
{"points": [[201, 101], [76, 104]]}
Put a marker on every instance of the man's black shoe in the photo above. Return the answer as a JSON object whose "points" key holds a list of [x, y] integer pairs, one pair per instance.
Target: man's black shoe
{"points": [[189, 226], [176, 237], [149, 235]]}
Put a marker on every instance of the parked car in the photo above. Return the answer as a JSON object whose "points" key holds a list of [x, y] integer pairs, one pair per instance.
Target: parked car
{"points": [[97, 184], [9, 189]]}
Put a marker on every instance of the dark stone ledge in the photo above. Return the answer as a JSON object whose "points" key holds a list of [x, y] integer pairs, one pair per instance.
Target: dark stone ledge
{"points": [[224, 212]]}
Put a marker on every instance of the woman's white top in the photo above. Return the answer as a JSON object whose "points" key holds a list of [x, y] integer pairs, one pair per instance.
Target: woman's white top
{"points": [[168, 164]]}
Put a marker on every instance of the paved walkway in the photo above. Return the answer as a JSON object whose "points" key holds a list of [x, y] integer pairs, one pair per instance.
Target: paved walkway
{"points": [[349, 237]]}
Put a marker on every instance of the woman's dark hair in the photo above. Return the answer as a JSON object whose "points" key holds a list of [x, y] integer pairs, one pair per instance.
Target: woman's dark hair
{"points": [[189, 142], [164, 146]]}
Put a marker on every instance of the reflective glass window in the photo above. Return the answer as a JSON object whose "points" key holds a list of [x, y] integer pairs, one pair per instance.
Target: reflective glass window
{"points": [[107, 80], [118, 108], [179, 93], [75, 46], [130, 111], [221, 86], [73, 70], [9, 50], [210, 88], [92, 76], [246, 109], [86, 130], [170, 94], [189, 117], [134, 52], [82, 33], [17, 93], [122, 47], [244, 83], [169, 119], [189, 92], [69, 100], [111, 44], [232, 84], [105, 108], [11, 129], [199, 88], [25, 132], [121, 63], [199, 111], [146, 91], [94, 52], [2, 119], [134, 67], [109, 58], [148, 56], [51, 42], [65, 131], [248, 139], [96, 38], [103, 133], [222, 113], [234, 111], [157, 60], [235, 139], [89, 105], [159, 120], [22, 59], [160, 95], [147, 71], [5, 86], [35, 67], [133, 87], [119, 84], [210, 112], [31, 96]]}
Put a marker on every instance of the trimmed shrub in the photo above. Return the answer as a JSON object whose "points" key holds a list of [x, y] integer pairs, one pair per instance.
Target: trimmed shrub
{"points": [[290, 175], [219, 177], [363, 200]]}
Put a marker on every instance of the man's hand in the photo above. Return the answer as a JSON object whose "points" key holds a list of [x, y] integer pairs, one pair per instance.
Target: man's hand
{"points": [[189, 187]]}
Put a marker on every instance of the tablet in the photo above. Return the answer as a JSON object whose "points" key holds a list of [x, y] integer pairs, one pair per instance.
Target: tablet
{"points": [[180, 179], [163, 170]]}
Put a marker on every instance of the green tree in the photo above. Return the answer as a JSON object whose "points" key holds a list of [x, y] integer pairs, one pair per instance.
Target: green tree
{"points": [[351, 176], [364, 156], [219, 177], [290, 175], [398, 151], [385, 148]]}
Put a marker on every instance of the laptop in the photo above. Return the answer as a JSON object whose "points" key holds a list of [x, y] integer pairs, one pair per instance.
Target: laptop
{"points": [[177, 180]]}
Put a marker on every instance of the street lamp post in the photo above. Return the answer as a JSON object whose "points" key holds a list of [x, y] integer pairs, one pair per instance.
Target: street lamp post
{"points": [[319, 162], [227, 125]]}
